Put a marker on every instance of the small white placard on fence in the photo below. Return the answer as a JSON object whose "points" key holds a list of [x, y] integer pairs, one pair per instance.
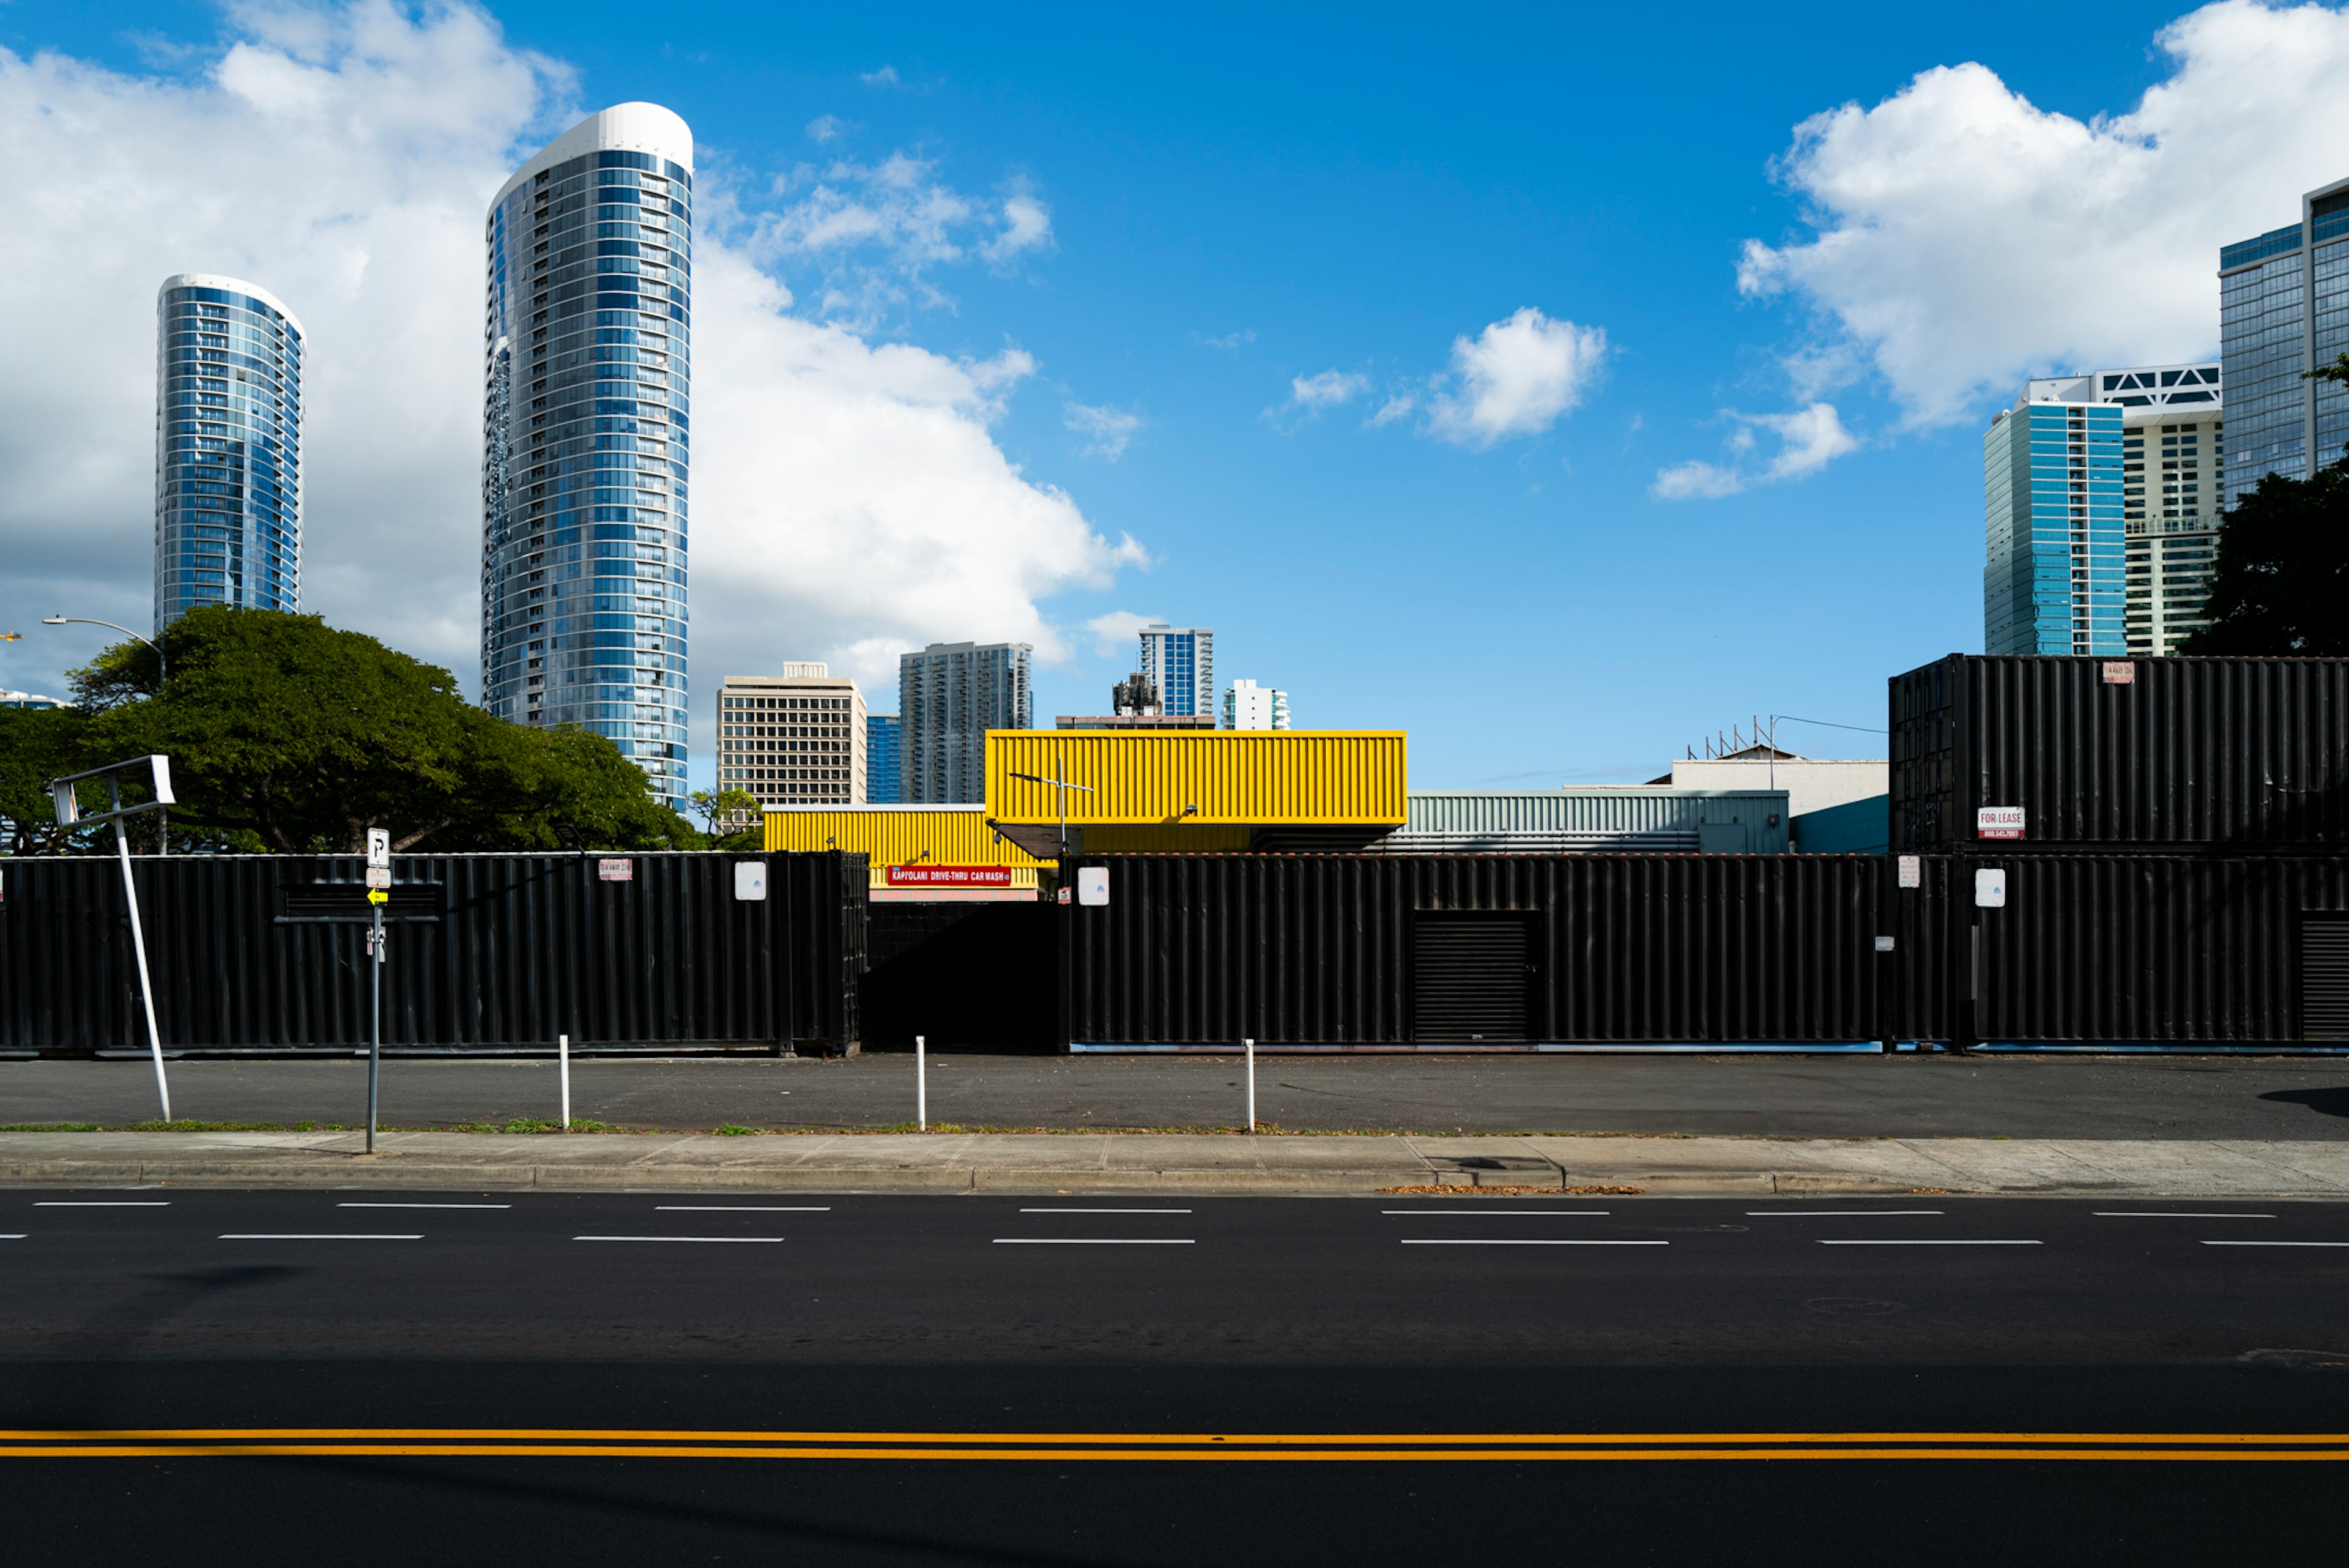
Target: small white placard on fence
{"points": [[616, 870], [1912, 870], [1989, 890], [750, 881], [1092, 885], [378, 847], [1883, 944], [379, 876], [2120, 672]]}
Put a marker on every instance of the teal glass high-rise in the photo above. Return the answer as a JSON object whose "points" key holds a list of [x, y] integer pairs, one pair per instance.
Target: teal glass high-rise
{"points": [[228, 447], [2055, 575], [584, 438]]}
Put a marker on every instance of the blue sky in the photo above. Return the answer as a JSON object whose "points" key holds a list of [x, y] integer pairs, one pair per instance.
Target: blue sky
{"points": [[1236, 201]]}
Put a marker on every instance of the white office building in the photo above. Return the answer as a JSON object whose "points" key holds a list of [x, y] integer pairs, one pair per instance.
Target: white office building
{"points": [[793, 739], [1248, 706]]}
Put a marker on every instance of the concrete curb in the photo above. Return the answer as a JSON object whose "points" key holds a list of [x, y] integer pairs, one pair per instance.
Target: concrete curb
{"points": [[1177, 1163]]}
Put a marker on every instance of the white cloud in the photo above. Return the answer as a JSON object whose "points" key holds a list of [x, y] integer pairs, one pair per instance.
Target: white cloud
{"points": [[886, 76], [1107, 431], [1115, 634], [849, 497], [1398, 406], [1228, 341], [1809, 439], [1967, 239], [1516, 379], [826, 128], [877, 233], [1328, 390]]}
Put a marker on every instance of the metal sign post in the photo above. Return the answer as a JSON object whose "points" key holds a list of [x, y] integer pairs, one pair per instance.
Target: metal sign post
{"points": [[378, 894], [68, 808]]}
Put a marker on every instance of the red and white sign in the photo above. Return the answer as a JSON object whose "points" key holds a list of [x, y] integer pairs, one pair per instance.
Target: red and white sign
{"points": [[2121, 672], [616, 870], [950, 876], [379, 876], [1999, 822]]}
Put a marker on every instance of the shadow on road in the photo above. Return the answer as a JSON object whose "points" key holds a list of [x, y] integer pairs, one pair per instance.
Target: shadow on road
{"points": [[2325, 1102]]}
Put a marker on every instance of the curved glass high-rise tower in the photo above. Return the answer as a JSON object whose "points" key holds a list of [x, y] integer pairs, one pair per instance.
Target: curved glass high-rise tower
{"points": [[585, 436], [228, 447]]}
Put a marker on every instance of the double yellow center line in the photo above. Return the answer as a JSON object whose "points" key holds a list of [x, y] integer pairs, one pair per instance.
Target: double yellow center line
{"points": [[1253, 1447]]}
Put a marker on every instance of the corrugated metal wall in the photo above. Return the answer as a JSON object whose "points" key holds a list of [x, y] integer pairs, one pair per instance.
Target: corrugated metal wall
{"points": [[1622, 817], [899, 835], [1215, 776], [1317, 950], [2221, 755], [485, 951]]}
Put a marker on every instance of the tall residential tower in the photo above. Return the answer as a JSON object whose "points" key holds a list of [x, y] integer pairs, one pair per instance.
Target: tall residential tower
{"points": [[2284, 307], [584, 470], [228, 447], [1180, 661], [949, 696], [2098, 523]]}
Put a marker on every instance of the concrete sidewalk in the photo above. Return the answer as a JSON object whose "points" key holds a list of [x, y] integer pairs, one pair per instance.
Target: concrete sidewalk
{"points": [[1174, 1163]]}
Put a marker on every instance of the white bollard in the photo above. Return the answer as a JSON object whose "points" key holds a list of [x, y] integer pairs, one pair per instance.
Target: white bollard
{"points": [[921, 1085], [563, 1049], [1250, 1044]]}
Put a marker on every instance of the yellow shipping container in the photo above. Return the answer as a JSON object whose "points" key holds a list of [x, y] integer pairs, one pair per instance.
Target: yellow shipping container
{"points": [[900, 836], [1198, 777]]}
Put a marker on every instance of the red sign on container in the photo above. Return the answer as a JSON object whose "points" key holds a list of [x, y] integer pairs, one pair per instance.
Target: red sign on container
{"points": [[950, 876], [616, 870]]}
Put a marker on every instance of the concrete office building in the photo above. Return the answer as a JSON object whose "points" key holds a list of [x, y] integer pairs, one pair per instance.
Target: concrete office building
{"points": [[793, 739], [584, 470], [884, 753], [949, 696], [1248, 706], [2284, 307], [228, 447], [1180, 662]]}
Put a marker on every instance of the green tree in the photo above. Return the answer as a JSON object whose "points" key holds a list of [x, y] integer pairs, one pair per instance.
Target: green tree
{"points": [[286, 734], [37, 744], [726, 812], [2283, 568]]}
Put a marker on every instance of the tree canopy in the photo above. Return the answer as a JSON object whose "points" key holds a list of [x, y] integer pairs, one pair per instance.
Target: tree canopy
{"points": [[286, 734], [2282, 571]]}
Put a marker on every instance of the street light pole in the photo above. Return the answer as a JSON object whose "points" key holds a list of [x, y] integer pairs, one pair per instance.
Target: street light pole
{"points": [[162, 673]]}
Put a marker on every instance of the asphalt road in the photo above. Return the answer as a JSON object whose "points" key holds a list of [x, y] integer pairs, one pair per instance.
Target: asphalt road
{"points": [[1488, 1349], [1908, 1095]]}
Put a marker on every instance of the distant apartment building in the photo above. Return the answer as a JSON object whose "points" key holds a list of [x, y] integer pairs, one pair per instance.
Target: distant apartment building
{"points": [[1248, 706], [2100, 500], [228, 447], [883, 759], [1180, 662], [2284, 307], [949, 696], [793, 739], [30, 699]]}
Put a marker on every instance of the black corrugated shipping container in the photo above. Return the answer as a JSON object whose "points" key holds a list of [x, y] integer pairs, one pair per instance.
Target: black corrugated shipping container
{"points": [[2216, 756], [1376, 951], [484, 952], [1480, 950]]}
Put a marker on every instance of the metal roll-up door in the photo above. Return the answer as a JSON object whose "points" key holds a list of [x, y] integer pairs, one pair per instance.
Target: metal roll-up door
{"points": [[1468, 979], [2324, 975]]}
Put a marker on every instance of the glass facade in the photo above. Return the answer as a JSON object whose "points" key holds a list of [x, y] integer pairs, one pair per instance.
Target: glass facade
{"points": [[228, 448], [1181, 663], [584, 464], [2054, 575], [949, 696], [884, 740], [2283, 308]]}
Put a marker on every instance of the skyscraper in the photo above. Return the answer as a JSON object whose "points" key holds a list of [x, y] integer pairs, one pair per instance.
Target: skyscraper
{"points": [[949, 696], [228, 447], [2095, 545], [2284, 307], [1180, 661], [883, 759], [584, 470]]}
